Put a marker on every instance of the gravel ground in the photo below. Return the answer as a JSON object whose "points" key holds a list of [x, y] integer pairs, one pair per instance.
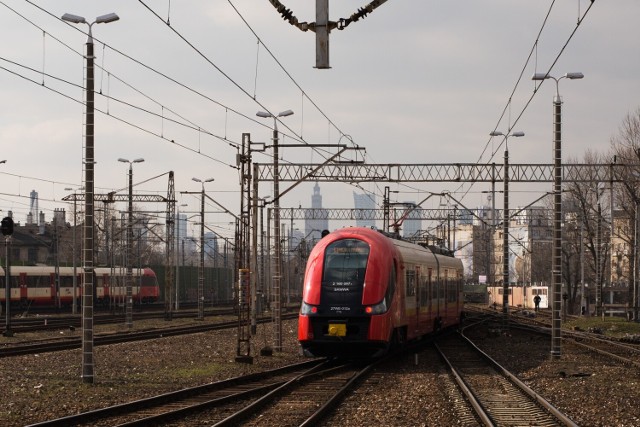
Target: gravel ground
{"points": [[592, 390]]}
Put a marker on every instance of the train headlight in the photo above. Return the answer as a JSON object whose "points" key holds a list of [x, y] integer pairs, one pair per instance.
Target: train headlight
{"points": [[378, 308], [308, 309]]}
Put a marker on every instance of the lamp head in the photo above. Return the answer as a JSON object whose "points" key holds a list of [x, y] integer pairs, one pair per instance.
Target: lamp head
{"points": [[123, 160], [105, 19], [140, 160], [516, 134], [209, 179], [75, 19], [496, 133], [540, 76], [196, 179], [263, 114], [574, 76], [285, 113]]}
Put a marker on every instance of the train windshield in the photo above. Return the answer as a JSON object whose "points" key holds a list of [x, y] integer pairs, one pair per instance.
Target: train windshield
{"points": [[345, 263]]}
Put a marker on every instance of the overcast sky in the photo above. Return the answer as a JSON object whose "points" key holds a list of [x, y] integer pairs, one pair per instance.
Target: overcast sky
{"points": [[414, 82]]}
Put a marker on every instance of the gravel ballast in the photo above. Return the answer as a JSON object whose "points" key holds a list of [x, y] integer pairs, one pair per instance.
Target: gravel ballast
{"points": [[590, 389]]}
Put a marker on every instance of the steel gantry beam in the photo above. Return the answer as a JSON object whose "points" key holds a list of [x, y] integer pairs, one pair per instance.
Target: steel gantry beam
{"points": [[352, 214], [113, 197], [442, 172]]}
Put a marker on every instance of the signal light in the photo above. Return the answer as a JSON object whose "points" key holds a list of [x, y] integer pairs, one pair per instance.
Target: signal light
{"points": [[368, 310], [6, 226]]}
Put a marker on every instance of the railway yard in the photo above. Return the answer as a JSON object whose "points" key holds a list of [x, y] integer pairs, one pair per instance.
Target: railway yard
{"points": [[412, 389]]}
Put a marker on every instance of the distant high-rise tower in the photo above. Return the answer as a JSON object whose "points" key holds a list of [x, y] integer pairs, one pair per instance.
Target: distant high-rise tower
{"points": [[32, 216], [316, 220], [211, 246], [412, 224], [365, 201]]}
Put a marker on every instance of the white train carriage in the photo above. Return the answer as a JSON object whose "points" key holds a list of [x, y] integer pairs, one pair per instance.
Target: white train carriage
{"points": [[37, 285], [519, 296]]}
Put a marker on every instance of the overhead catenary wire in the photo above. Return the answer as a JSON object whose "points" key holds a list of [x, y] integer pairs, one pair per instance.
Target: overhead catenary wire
{"points": [[519, 79], [195, 127], [230, 79]]}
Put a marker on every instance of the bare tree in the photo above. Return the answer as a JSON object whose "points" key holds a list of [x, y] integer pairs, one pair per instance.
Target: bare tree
{"points": [[626, 146]]}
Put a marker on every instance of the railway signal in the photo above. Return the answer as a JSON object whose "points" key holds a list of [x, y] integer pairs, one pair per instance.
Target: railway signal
{"points": [[6, 226]]}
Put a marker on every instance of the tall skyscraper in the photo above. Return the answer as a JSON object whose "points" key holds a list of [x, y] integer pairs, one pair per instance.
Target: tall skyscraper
{"points": [[316, 219], [32, 216], [210, 247], [412, 224], [365, 201]]}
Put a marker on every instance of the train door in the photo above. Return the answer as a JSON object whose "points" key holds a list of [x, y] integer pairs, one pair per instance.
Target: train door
{"points": [[410, 298], [429, 293], [24, 288], [418, 302], [447, 291]]}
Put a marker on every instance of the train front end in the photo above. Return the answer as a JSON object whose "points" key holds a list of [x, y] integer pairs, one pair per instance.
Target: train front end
{"points": [[347, 305]]}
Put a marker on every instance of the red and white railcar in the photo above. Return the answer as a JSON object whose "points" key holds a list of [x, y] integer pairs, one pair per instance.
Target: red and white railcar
{"points": [[364, 291], [36, 285]]}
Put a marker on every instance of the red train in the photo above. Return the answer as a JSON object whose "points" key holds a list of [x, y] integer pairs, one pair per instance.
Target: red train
{"points": [[364, 292], [37, 285]]}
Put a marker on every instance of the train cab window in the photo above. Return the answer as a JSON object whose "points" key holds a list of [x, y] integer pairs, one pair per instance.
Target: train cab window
{"points": [[345, 263]]}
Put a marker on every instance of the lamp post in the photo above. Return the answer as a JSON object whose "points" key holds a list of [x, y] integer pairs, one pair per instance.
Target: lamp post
{"points": [[505, 223], [201, 269], [129, 301], [556, 258], [262, 268], [88, 227], [74, 303], [177, 304], [276, 228]]}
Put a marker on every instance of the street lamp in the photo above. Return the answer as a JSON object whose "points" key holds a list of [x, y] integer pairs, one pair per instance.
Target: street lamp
{"points": [[276, 228], [129, 299], [88, 227], [556, 258], [201, 270], [505, 222]]}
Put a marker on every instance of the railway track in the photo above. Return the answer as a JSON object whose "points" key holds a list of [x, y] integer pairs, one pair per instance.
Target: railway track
{"points": [[304, 400], [218, 399], [76, 342], [497, 396], [45, 323], [295, 395]]}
